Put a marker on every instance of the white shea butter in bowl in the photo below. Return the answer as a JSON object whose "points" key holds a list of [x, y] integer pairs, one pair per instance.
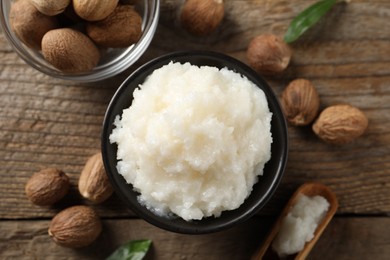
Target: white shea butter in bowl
{"points": [[194, 140]]}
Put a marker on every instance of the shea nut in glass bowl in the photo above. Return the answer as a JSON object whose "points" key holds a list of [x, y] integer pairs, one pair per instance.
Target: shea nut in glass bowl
{"points": [[183, 141], [71, 43]]}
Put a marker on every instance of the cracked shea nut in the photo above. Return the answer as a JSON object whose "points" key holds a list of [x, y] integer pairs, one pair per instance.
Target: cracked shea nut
{"points": [[94, 10], [70, 50], [340, 124], [93, 183], [75, 227], [120, 29], [47, 186], [268, 54], [300, 102], [50, 7], [202, 17], [28, 24]]}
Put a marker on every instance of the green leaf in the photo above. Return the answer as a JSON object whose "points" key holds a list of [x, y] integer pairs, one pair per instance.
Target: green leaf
{"points": [[307, 19], [133, 250]]}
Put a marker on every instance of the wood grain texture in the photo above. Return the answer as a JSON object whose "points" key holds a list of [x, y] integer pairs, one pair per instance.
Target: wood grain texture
{"points": [[47, 122], [50, 122], [27, 240]]}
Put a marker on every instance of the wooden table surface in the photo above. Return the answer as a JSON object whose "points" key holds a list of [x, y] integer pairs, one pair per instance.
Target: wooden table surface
{"points": [[46, 122]]}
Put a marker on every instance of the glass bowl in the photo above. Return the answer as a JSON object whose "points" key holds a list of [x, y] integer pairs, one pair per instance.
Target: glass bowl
{"points": [[112, 62], [262, 190]]}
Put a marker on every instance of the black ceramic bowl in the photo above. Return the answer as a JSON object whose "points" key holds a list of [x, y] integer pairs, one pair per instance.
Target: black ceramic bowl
{"points": [[262, 191]]}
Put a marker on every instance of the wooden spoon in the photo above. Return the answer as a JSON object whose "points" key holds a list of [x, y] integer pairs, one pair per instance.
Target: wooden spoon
{"points": [[310, 190]]}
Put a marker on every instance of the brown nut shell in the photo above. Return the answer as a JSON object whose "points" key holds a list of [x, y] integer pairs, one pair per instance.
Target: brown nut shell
{"points": [[268, 54], [340, 124], [29, 24], [120, 29], [75, 227], [47, 186], [50, 7], [70, 50], [300, 102], [94, 184], [202, 17], [94, 10]]}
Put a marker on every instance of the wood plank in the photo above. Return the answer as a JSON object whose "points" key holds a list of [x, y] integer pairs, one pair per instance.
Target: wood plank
{"points": [[354, 238], [47, 122], [344, 238]]}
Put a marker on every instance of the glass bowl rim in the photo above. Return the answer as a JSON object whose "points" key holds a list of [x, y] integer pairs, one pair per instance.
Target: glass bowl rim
{"points": [[106, 70]]}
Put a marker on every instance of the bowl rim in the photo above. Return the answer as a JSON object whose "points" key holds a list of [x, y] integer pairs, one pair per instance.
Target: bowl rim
{"points": [[119, 64], [195, 227]]}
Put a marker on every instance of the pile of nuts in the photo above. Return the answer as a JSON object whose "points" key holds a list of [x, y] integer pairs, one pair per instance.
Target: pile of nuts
{"points": [[79, 225], [337, 124], [71, 34]]}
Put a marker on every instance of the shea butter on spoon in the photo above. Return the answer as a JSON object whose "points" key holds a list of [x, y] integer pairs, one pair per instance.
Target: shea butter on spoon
{"points": [[301, 223]]}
